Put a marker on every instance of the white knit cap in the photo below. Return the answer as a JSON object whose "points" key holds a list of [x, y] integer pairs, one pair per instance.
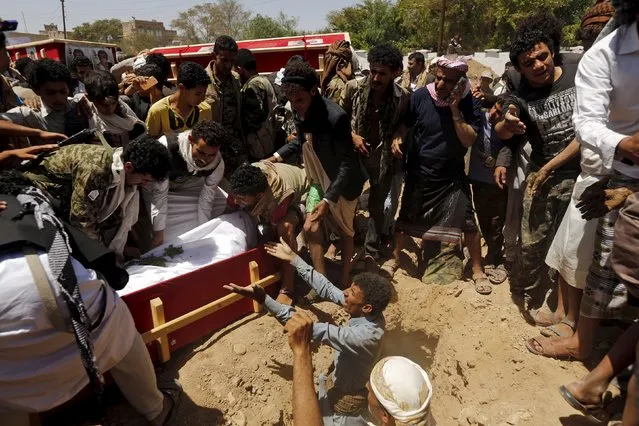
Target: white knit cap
{"points": [[403, 389]]}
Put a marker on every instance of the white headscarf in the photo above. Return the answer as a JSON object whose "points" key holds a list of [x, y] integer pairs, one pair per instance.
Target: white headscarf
{"points": [[403, 389]]}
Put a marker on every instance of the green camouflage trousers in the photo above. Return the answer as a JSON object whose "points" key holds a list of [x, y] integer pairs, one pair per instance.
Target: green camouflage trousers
{"points": [[443, 263], [542, 215]]}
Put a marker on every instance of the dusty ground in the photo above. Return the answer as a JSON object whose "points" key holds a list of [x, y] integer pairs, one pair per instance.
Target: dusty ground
{"points": [[471, 345]]}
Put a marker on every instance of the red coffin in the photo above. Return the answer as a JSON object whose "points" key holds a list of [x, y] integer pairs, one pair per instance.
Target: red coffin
{"points": [[188, 292]]}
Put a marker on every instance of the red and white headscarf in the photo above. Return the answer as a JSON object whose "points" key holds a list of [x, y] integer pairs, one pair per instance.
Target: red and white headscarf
{"points": [[459, 63]]}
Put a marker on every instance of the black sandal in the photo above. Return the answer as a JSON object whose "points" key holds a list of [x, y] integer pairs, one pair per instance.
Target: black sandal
{"points": [[594, 412], [173, 390]]}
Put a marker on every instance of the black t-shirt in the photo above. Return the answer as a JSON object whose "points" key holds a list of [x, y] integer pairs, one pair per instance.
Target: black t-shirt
{"points": [[547, 114], [435, 150]]}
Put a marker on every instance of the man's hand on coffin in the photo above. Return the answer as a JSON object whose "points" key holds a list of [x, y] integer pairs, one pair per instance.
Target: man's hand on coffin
{"points": [[254, 292], [280, 250], [3, 205]]}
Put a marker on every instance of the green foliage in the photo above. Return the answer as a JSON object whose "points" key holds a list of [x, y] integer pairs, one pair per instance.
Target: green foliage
{"points": [[204, 22], [261, 26], [102, 30], [370, 23], [415, 24]]}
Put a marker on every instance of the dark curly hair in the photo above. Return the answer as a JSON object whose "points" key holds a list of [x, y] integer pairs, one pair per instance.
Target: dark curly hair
{"points": [[80, 61], [192, 75], [376, 289], [626, 11], [151, 70], [211, 131], [148, 155], [387, 55], [23, 66], [304, 75], [225, 43], [248, 180], [161, 61], [246, 60], [101, 85], [48, 70], [540, 28]]}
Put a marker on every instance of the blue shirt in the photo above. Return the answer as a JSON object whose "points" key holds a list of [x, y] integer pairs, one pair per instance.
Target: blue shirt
{"points": [[357, 344]]}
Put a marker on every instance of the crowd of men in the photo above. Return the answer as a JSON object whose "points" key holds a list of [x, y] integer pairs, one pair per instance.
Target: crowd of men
{"points": [[541, 163]]}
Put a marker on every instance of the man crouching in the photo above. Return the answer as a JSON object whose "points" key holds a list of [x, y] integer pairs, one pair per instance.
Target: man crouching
{"points": [[272, 193], [196, 166]]}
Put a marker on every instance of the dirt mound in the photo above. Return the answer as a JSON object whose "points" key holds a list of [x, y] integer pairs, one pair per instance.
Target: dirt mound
{"points": [[471, 345]]}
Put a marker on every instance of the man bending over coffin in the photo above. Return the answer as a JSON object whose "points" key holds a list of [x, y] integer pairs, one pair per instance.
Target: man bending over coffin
{"points": [[272, 193], [196, 167], [63, 324], [97, 186], [342, 393]]}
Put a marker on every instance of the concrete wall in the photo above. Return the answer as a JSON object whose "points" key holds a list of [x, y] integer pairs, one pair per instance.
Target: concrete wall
{"points": [[491, 58]]}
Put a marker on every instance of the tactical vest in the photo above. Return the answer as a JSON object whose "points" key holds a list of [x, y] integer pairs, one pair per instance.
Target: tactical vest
{"points": [[18, 231]]}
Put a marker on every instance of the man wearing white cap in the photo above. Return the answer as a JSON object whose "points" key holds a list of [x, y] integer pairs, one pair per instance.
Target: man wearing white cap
{"points": [[399, 393]]}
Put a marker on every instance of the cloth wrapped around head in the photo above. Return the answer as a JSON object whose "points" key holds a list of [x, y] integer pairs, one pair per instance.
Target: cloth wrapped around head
{"points": [[338, 51], [598, 15], [403, 389], [460, 63]]}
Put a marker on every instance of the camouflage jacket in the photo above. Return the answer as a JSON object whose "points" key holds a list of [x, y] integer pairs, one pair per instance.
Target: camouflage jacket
{"points": [[258, 118], [226, 101], [335, 88], [80, 177]]}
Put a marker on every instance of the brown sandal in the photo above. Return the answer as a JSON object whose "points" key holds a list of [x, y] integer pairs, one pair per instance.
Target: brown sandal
{"points": [[482, 284]]}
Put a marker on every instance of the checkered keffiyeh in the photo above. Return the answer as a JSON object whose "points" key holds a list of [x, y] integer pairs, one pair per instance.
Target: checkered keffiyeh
{"points": [[34, 201], [460, 63]]}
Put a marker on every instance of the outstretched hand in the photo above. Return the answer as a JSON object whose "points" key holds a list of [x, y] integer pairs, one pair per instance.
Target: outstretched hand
{"points": [[513, 123], [32, 152], [280, 250], [254, 292]]}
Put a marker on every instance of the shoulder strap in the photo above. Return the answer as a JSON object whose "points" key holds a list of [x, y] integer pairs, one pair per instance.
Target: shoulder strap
{"points": [[44, 288]]}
